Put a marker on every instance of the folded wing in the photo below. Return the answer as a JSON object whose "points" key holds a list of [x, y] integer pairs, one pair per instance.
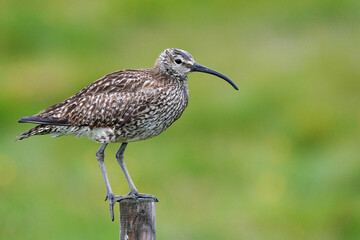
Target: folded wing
{"points": [[113, 100]]}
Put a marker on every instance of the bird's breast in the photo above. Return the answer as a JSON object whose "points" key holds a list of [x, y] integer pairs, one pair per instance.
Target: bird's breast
{"points": [[162, 110]]}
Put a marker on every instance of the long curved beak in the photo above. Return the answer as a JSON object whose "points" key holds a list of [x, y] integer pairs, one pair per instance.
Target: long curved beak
{"points": [[199, 68]]}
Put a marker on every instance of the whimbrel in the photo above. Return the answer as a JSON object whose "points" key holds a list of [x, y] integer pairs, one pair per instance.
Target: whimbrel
{"points": [[122, 107]]}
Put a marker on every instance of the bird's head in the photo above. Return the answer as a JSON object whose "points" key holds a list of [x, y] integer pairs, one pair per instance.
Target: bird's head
{"points": [[179, 63]]}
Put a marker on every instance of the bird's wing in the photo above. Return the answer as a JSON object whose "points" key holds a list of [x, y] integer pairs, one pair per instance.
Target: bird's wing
{"points": [[113, 100]]}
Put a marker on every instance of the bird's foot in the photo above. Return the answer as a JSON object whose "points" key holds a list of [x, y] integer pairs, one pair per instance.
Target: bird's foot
{"points": [[131, 195], [112, 200], [141, 195]]}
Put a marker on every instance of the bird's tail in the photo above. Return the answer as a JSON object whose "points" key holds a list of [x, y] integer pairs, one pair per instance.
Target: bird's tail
{"points": [[38, 130]]}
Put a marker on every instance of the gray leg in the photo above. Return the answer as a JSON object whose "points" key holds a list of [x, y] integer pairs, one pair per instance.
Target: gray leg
{"points": [[109, 194], [100, 157], [120, 160], [133, 191]]}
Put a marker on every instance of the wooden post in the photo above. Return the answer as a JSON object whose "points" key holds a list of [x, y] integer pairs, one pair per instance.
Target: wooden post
{"points": [[137, 219]]}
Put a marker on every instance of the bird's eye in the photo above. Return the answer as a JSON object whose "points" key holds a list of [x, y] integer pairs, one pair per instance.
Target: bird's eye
{"points": [[178, 61]]}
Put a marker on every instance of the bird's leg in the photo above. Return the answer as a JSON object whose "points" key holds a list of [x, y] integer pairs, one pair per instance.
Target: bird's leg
{"points": [[120, 160], [133, 191], [109, 194]]}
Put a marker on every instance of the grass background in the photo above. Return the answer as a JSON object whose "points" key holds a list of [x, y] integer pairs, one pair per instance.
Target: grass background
{"points": [[278, 159]]}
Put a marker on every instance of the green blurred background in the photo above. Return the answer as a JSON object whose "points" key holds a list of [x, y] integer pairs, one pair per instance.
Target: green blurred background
{"points": [[278, 159]]}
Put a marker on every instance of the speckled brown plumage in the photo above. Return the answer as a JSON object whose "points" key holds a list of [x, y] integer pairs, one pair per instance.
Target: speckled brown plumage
{"points": [[123, 106], [126, 106]]}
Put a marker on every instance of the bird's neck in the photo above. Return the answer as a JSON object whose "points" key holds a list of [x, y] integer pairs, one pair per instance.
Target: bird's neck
{"points": [[168, 76]]}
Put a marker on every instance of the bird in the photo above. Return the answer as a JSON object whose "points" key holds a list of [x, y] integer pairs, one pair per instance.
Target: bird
{"points": [[121, 107]]}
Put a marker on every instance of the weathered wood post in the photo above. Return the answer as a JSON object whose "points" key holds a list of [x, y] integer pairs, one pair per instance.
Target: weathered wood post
{"points": [[137, 219]]}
